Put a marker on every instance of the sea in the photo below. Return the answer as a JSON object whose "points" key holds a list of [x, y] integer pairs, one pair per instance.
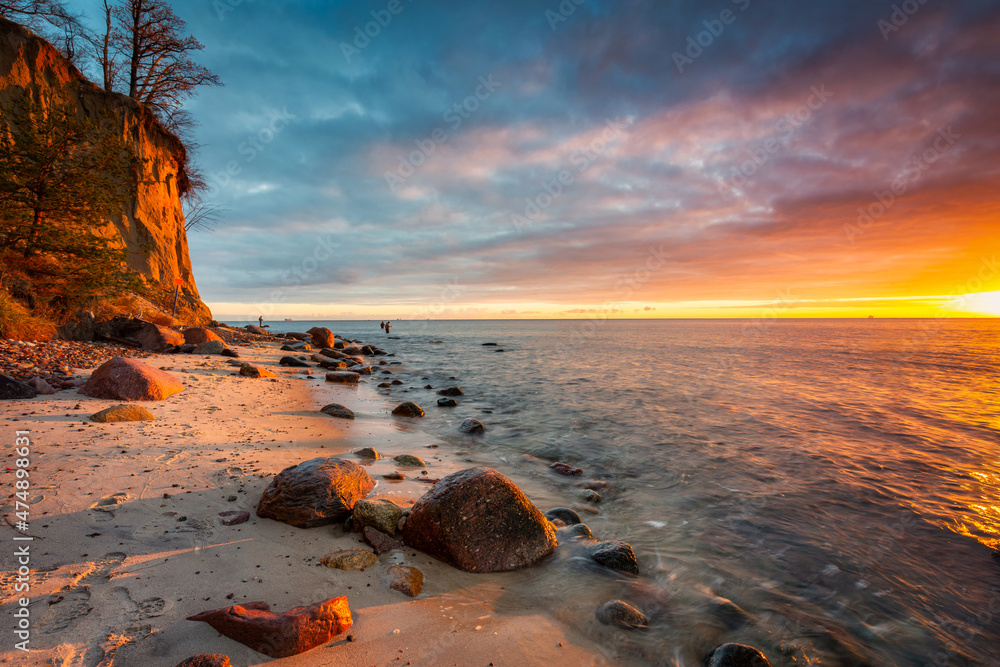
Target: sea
{"points": [[825, 490]]}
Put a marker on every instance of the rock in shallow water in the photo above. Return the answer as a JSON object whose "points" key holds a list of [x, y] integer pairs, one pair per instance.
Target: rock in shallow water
{"points": [[567, 516], [291, 362], [565, 469], [616, 555], [280, 635], [339, 411], [407, 580], [447, 403], [621, 614], [451, 391], [317, 492], [409, 460], [368, 453], [343, 377], [472, 426], [479, 521], [735, 655], [408, 409]]}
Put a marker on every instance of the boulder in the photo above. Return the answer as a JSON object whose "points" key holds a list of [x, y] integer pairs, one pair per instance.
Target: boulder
{"points": [[255, 371], [616, 555], [343, 377], [199, 335], [479, 521], [590, 495], [292, 361], [735, 655], [253, 328], [40, 386], [230, 353], [379, 513], [473, 426], [298, 335], [405, 579], [317, 492], [81, 327], [207, 660], [409, 460], [210, 347], [447, 403], [123, 413], [408, 409], [123, 379], [350, 559], [322, 337], [154, 338], [12, 389], [451, 391], [361, 370], [338, 410], [379, 541], [280, 635], [621, 614], [368, 453]]}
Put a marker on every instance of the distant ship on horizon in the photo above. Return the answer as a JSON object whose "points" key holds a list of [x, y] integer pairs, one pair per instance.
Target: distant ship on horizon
{"points": [[288, 319]]}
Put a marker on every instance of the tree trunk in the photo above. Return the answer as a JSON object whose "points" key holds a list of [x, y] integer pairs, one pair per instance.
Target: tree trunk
{"points": [[133, 79], [106, 62]]}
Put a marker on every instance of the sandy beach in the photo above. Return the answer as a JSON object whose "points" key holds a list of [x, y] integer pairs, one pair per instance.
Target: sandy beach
{"points": [[129, 540]]}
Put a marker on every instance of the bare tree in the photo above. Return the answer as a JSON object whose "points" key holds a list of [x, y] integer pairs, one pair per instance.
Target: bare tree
{"points": [[144, 42], [50, 19]]}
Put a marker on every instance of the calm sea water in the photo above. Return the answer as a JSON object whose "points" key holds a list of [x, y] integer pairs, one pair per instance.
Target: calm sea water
{"points": [[837, 480]]}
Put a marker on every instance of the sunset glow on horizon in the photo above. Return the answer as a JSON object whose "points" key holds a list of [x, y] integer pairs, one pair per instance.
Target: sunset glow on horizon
{"points": [[827, 161]]}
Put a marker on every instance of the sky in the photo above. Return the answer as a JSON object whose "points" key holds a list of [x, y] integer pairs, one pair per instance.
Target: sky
{"points": [[587, 158]]}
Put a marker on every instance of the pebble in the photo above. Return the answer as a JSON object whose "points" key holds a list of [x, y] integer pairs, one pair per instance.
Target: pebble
{"points": [[54, 360]]}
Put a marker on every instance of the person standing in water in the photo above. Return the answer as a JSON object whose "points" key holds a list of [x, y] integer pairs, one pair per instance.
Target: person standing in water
{"points": [[261, 320], [387, 327]]}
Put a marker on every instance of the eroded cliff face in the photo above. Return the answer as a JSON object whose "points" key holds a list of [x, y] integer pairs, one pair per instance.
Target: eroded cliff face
{"points": [[152, 227]]}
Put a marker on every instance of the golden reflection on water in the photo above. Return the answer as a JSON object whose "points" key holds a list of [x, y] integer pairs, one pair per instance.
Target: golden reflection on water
{"points": [[980, 520]]}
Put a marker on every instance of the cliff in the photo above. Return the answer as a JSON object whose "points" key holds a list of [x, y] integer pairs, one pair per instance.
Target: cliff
{"points": [[152, 227]]}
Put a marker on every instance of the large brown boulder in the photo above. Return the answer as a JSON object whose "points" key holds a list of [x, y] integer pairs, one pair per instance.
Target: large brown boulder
{"points": [[123, 379], [11, 388], [199, 335], [315, 492], [280, 635], [154, 338], [322, 337], [479, 521]]}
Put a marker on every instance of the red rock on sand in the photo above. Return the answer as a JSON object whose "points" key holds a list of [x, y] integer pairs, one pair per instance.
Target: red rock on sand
{"points": [[199, 335], [207, 660], [255, 371], [155, 338], [322, 337], [130, 380], [280, 635]]}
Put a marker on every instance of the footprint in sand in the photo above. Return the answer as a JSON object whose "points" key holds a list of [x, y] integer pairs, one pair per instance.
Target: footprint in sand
{"points": [[167, 526], [169, 456], [108, 504], [71, 604]]}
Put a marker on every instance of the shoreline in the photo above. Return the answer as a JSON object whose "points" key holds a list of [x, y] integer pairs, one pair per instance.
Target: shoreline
{"points": [[115, 587]]}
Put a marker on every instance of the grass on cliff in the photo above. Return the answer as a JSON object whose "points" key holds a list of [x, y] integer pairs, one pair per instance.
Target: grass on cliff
{"points": [[19, 323]]}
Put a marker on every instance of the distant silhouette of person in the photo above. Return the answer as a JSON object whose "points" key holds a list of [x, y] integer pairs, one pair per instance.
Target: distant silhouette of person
{"points": [[261, 320], [381, 325], [387, 327]]}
